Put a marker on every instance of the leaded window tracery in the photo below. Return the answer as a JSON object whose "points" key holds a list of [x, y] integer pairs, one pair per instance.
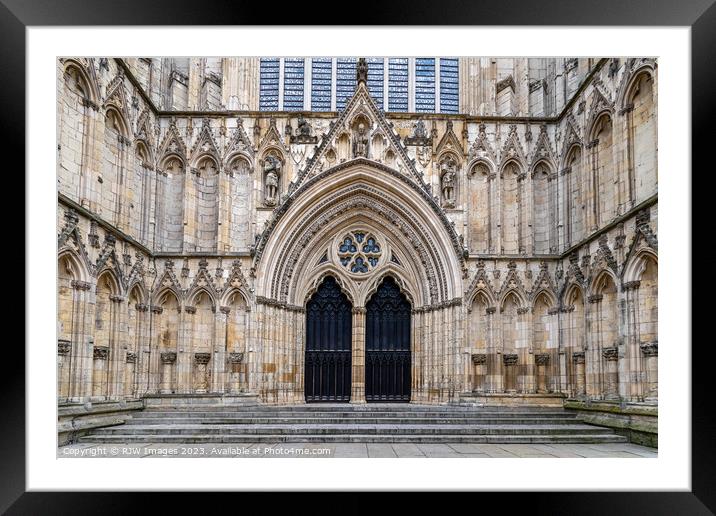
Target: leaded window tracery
{"points": [[359, 252]]}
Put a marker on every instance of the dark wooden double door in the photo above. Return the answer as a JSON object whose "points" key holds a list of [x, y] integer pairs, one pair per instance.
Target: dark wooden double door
{"points": [[328, 345]]}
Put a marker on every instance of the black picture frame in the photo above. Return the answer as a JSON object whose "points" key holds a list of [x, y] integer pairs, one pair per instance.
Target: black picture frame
{"points": [[700, 15]]}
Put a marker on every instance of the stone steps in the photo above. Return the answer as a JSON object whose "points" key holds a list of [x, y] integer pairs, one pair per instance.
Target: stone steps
{"points": [[394, 420], [353, 438], [323, 423]]}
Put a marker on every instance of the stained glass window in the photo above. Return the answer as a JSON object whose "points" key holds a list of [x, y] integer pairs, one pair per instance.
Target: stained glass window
{"points": [[425, 85], [398, 84], [345, 80], [293, 84], [268, 89], [449, 85], [375, 79], [359, 252], [321, 80]]}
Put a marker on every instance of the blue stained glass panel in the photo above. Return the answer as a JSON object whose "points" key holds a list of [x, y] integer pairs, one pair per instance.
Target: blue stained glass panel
{"points": [[425, 85], [345, 80], [375, 79], [321, 82], [398, 84], [268, 84], [293, 75], [449, 85]]}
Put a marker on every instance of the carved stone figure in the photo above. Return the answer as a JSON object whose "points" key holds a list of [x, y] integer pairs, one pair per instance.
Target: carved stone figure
{"points": [[362, 70], [447, 181], [272, 169], [360, 145]]}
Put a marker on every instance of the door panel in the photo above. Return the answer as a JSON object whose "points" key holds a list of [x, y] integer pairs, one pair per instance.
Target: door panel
{"points": [[388, 360], [328, 344]]}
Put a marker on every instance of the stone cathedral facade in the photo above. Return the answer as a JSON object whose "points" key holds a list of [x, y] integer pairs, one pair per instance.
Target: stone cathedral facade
{"points": [[483, 231]]}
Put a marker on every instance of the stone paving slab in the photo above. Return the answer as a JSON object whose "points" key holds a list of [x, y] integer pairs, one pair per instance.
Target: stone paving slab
{"points": [[357, 450]]}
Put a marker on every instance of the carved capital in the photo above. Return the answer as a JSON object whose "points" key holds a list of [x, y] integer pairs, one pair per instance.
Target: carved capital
{"points": [[80, 285], [141, 307], [542, 358], [63, 347], [610, 354], [225, 310], [190, 309], [632, 285], [100, 352], [509, 359], [359, 310], [116, 299], [650, 349], [202, 358], [596, 298], [479, 358], [523, 310], [131, 357], [490, 310], [236, 358], [578, 357], [157, 309], [168, 357]]}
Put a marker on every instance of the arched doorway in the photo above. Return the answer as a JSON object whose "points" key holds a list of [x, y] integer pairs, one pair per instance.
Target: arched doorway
{"points": [[387, 345], [328, 344]]}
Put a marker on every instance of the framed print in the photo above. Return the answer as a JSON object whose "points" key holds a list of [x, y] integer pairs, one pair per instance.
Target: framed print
{"points": [[293, 247]]}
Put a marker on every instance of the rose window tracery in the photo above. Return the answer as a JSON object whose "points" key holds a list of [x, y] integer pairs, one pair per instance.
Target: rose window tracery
{"points": [[359, 252]]}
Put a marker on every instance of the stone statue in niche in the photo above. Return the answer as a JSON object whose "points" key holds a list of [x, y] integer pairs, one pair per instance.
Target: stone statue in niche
{"points": [[448, 171], [303, 132], [360, 144], [272, 171]]}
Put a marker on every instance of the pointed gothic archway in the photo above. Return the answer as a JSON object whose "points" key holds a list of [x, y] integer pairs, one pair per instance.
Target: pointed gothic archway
{"points": [[387, 345], [328, 344]]}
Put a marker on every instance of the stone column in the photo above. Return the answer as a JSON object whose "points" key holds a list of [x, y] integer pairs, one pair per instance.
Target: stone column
{"points": [[63, 352], [493, 365], [99, 371], [80, 374], [510, 361], [129, 374], [118, 347], [578, 359], [168, 360], [142, 350], [542, 363], [651, 352], [185, 346], [358, 356], [155, 366], [611, 355], [479, 361], [236, 381], [201, 380]]}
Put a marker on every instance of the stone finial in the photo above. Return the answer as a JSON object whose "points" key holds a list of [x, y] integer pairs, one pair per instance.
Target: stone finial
{"points": [[362, 71]]}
